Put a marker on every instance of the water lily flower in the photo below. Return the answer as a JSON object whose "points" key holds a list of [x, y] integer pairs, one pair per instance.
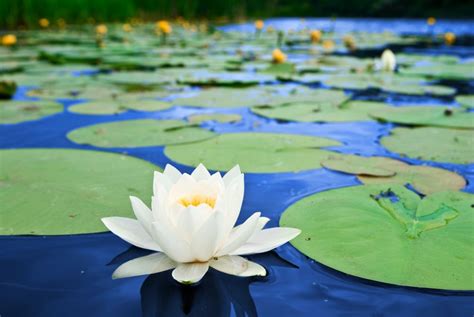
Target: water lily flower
{"points": [[278, 56], [164, 27], [9, 40], [315, 36], [44, 23], [389, 61], [259, 25], [101, 29], [449, 38], [328, 45], [431, 21], [191, 227]]}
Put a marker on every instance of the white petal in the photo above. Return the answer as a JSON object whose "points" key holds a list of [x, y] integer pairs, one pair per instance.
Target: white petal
{"points": [[160, 180], [254, 269], [240, 235], [205, 240], [172, 173], [230, 175], [237, 265], [131, 231], [143, 213], [200, 173], [172, 243], [234, 197], [262, 221], [267, 240], [150, 264], [188, 273]]}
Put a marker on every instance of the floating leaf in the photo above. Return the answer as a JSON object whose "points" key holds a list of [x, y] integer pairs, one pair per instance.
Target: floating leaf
{"points": [[118, 106], [466, 101], [254, 152], [67, 191], [217, 117], [432, 144], [387, 233], [20, 111], [137, 133]]}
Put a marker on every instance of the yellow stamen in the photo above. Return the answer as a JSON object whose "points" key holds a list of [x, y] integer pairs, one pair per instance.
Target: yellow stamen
{"points": [[197, 200]]}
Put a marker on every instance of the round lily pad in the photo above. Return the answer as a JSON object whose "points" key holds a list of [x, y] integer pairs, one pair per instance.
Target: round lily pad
{"points": [[384, 170], [432, 144], [331, 110], [459, 71], [137, 133], [254, 152], [466, 101], [20, 111], [387, 233], [67, 191], [217, 117], [118, 106], [426, 116]]}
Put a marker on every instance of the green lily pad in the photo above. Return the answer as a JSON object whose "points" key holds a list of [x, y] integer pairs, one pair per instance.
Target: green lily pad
{"points": [[432, 144], [217, 117], [388, 234], [280, 69], [118, 106], [332, 110], [20, 111], [426, 116], [68, 191], [459, 71], [466, 101], [383, 170], [254, 152], [137, 133]]}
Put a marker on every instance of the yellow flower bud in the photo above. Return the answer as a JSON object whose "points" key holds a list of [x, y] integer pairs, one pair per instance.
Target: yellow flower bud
{"points": [[328, 45], [449, 38], [44, 23], [278, 56], [101, 29], [315, 36], [164, 27], [431, 21], [9, 40], [349, 42], [127, 27], [259, 24]]}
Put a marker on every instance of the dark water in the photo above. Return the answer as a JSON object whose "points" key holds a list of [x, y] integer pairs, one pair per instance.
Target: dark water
{"points": [[71, 275]]}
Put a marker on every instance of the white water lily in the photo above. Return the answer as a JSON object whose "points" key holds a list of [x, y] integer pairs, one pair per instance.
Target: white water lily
{"points": [[191, 226], [389, 61]]}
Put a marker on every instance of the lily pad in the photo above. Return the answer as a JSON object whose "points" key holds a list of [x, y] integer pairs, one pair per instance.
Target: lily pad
{"points": [[459, 71], [254, 152], [383, 170], [426, 116], [68, 191], [332, 110], [20, 111], [118, 106], [217, 117], [466, 101], [432, 144], [137, 133], [389, 234]]}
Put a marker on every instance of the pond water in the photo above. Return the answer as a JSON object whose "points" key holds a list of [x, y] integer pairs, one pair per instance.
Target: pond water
{"points": [[70, 275]]}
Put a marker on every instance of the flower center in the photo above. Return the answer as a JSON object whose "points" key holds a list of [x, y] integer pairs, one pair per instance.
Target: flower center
{"points": [[197, 200]]}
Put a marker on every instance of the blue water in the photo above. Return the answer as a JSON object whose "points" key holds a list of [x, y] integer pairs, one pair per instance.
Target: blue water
{"points": [[71, 275]]}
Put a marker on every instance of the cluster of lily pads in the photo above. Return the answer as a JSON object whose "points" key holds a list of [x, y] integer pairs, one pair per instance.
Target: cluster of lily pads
{"points": [[395, 236]]}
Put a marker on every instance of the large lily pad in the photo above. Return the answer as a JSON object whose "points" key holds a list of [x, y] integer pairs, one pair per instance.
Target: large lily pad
{"points": [[387, 233], [44, 191], [20, 111], [137, 133], [466, 101], [118, 106], [383, 170], [426, 116], [217, 117], [332, 110], [254, 152], [460, 71], [432, 144]]}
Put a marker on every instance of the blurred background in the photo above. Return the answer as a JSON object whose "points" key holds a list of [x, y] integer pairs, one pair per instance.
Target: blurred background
{"points": [[25, 13]]}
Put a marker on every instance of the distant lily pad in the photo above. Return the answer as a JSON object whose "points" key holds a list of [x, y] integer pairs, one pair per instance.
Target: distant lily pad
{"points": [[459, 71], [426, 116], [387, 233], [383, 170], [254, 152], [466, 101], [20, 111], [217, 117], [69, 190], [118, 106], [432, 144], [138, 133]]}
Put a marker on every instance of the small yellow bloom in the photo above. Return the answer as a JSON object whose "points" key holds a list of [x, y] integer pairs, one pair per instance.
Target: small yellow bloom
{"points": [[449, 38], [44, 23], [431, 21], [127, 27], [349, 42], [278, 56], [9, 40], [259, 24], [164, 27], [315, 36], [328, 45], [270, 29], [101, 29]]}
